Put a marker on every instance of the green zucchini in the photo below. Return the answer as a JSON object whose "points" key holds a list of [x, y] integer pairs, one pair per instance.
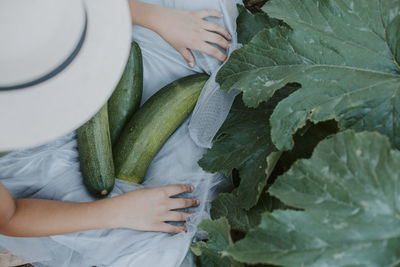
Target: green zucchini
{"points": [[152, 124], [126, 97], [95, 154]]}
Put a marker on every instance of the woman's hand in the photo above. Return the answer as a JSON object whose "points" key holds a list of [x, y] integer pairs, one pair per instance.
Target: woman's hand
{"points": [[149, 209], [184, 30]]}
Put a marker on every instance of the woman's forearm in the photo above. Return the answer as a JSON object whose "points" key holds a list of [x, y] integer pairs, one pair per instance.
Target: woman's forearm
{"points": [[146, 15], [38, 217]]}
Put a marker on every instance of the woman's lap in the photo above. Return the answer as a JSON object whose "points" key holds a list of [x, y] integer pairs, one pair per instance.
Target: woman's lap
{"points": [[52, 171]]}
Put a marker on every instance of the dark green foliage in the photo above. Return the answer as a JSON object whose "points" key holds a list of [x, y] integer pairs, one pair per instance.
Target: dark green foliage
{"points": [[340, 206]]}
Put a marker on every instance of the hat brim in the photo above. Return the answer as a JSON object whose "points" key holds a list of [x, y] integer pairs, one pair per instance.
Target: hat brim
{"points": [[41, 113]]}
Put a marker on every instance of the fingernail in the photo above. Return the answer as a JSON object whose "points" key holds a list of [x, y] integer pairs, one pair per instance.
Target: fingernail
{"points": [[229, 37], [191, 64], [191, 188], [197, 202]]}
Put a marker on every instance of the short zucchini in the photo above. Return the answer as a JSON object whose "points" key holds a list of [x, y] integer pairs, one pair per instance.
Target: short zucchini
{"points": [[152, 124], [95, 154]]}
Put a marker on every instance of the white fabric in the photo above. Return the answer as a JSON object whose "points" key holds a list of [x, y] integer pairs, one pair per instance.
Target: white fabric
{"points": [[51, 171]]}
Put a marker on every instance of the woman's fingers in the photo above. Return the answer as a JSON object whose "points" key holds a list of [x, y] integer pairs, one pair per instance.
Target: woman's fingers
{"points": [[215, 27], [176, 216], [168, 228], [181, 203], [212, 51], [204, 13], [188, 56], [216, 39], [172, 190]]}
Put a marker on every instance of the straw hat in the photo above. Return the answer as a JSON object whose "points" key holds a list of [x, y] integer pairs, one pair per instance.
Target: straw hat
{"points": [[60, 61]]}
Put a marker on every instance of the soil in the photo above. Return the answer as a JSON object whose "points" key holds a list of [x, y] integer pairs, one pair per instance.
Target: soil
{"points": [[7, 259], [254, 5]]}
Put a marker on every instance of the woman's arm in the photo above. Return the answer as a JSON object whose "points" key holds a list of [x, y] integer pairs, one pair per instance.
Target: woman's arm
{"points": [[143, 209], [7, 206], [184, 30]]}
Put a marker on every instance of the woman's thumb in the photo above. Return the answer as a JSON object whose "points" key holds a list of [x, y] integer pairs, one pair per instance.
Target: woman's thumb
{"points": [[188, 56]]}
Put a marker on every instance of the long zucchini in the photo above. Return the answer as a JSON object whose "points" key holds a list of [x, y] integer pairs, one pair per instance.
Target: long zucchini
{"points": [[126, 97], [95, 154], [152, 124]]}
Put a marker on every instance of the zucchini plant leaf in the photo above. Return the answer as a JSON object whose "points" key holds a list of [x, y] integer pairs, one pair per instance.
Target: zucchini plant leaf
{"points": [[209, 253], [228, 205], [249, 24], [345, 54], [244, 143], [351, 71], [305, 140], [349, 193]]}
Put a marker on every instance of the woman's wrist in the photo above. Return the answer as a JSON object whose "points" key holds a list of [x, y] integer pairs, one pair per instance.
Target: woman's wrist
{"points": [[107, 212]]}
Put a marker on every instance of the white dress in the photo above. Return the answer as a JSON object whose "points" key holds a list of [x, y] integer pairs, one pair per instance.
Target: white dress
{"points": [[51, 171]]}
